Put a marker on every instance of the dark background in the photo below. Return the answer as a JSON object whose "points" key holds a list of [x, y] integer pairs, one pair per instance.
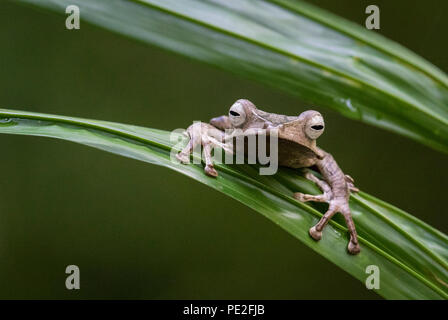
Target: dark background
{"points": [[141, 231]]}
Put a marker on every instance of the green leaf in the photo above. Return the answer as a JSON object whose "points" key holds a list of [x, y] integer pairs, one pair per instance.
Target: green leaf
{"points": [[412, 256], [291, 45]]}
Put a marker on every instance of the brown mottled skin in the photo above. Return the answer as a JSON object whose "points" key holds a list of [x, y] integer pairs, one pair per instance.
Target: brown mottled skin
{"points": [[296, 149]]}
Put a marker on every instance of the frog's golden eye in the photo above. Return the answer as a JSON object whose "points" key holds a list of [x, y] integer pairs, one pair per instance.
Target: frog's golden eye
{"points": [[315, 127], [237, 115]]}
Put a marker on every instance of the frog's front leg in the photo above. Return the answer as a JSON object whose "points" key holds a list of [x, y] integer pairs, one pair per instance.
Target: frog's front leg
{"points": [[208, 137], [336, 188]]}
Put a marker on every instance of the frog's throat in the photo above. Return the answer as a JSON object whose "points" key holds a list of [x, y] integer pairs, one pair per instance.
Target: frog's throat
{"points": [[294, 131]]}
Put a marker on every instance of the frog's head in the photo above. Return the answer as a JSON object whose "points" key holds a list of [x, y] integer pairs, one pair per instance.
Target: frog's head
{"points": [[303, 129]]}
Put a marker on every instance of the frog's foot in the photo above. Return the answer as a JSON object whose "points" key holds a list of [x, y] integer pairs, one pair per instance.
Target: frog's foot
{"points": [[210, 171], [208, 137], [336, 204], [184, 155]]}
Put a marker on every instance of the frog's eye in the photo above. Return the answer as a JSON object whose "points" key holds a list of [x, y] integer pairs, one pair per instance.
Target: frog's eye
{"points": [[315, 127], [237, 115]]}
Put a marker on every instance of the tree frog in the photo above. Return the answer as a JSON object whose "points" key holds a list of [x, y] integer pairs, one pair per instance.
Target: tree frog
{"points": [[296, 149]]}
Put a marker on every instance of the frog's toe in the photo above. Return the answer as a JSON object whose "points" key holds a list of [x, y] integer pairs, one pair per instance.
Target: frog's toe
{"points": [[183, 158], [353, 248], [353, 189], [316, 235], [309, 197], [299, 196], [210, 171]]}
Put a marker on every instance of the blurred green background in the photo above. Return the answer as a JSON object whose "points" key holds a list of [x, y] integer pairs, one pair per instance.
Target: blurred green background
{"points": [[141, 231]]}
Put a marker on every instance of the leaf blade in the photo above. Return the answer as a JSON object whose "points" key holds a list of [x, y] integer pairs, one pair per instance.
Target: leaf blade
{"points": [[402, 275], [295, 47]]}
